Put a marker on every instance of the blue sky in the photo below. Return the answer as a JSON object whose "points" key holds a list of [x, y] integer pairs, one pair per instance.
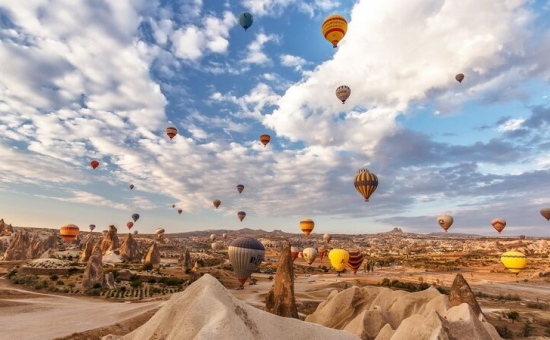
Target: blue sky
{"points": [[84, 80]]}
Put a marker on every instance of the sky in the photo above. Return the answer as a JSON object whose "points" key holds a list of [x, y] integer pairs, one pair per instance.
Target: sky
{"points": [[83, 80]]}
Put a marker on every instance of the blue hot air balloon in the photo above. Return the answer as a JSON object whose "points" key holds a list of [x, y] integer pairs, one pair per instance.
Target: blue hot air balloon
{"points": [[135, 217], [245, 20]]}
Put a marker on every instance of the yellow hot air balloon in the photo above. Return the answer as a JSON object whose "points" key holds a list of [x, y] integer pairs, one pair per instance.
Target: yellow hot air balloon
{"points": [[307, 226], [514, 261], [334, 28], [366, 183], [338, 259]]}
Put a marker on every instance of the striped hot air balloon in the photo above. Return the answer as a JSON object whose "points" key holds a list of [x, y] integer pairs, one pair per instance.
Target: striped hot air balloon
{"points": [[265, 139], [171, 132], [355, 260], [514, 261], [159, 232], [366, 183], [322, 253], [68, 232], [309, 254], [294, 251], [338, 259], [334, 28], [307, 225], [245, 255], [499, 224], [343, 92]]}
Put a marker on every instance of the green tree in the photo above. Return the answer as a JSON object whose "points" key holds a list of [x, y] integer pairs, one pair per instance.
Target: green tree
{"points": [[513, 315]]}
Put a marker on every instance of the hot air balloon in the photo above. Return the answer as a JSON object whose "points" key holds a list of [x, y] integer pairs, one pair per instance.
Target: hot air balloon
{"points": [[217, 203], [327, 238], [366, 183], [245, 254], [498, 224], [522, 237], [68, 232], [224, 236], [545, 212], [294, 251], [159, 232], [307, 226], [265, 139], [309, 254], [355, 260], [171, 132], [213, 237], [131, 186], [334, 28], [129, 225], [300, 254], [135, 217], [445, 221], [459, 77], [135, 232], [94, 164], [173, 206], [514, 261], [104, 232], [322, 253], [241, 215], [228, 242], [338, 259], [217, 246], [92, 227], [343, 92], [180, 211], [245, 20], [240, 188]]}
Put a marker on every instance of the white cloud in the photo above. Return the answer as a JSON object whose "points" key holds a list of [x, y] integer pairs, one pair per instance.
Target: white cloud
{"points": [[88, 198], [292, 61], [277, 7], [511, 125], [255, 54]]}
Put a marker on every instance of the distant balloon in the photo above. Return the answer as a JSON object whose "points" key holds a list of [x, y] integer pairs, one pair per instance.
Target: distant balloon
{"points": [[135, 232], [514, 261], [327, 238], [159, 232], [241, 215], [294, 251], [366, 183], [217, 203], [445, 221], [217, 246], [499, 224], [224, 236], [135, 217], [245, 255], [129, 225], [68, 232], [322, 253], [545, 212], [104, 232], [334, 28], [213, 237], [171, 132], [459, 77], [343, 92], [94, 164], [355, 260], [228, 242], [92, 227], [265, 139], [246, 20], [173, 206], [240, 188], [180, 211], [522, 237], [309, 254], [131, 186], [338, 259], [307, 225]]}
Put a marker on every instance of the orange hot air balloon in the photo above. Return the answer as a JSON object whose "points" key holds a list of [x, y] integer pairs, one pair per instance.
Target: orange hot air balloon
{"points": [[241, 215], [334, 28], [343, 92], [307, 226], [94, 164], [171, 131], [365, 183], [180, 211], [498, 224], [217, 203], [545, 212], [459, 77], [129, 225], [265, 139], [68, 232], [445, 221]]}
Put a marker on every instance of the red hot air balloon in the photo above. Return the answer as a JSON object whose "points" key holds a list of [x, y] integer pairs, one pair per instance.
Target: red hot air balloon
{"points": [[459, 77], [498, 224], [171, 132], [265, 139], [129, 225], [180, 211], [241, 215], [94, 164]]}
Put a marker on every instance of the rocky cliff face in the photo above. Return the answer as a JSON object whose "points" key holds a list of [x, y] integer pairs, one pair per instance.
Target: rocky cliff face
{"points": [[26, 246], [93, 274], [129, 250], [88, 248], [280, 299], [185, 261], [109, 242], [5, 229], [153, 255], [462, 293]]}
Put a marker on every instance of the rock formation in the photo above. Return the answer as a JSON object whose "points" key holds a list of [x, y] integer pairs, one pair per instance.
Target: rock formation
{"points": [[93, 274], [110, 281], [185, 261], [5, 229], [153, 255], [129, 250], [206, 310], [280, 300], [18, 248], [88, 248], [109, 242], [462, 293]]}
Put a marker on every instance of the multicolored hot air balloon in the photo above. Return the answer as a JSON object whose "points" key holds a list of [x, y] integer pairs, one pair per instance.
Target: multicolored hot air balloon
{"points": [[245, 255], [129, 225], [514, 261], [309, 254], [131, 186], [217, 203], [445, 221], [92, 227], [246, 20], [334, 28], [241, 215], [459, 77], [265, 139], [322, 253], [327, 237], [94, 164], [294, 251], [307, 226], [159, 232], [545, 212], [240, 188], [366, 183], [338, 259], [343, 92], [171, 132], [68, 232], [499, 224], [135, 217], [355, 260], [180, 211], [213, 237]]}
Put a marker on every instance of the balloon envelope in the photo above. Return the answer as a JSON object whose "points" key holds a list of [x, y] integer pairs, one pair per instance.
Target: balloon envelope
{"points": [[213, 237], [499, 224], [246, 20], [309, 254], [180, 211], [131, 186], [241, 215], [92, 227], [334, 28], [327, 238], [240, 188], [68, 232], [245, 254], [265, 139], [307, 225], [135, 217], [459, 77], [545, 212], [355, 260], [224, 236], [94, 164], [338, 259], [171, 131], [343, 92], [294, 251], [217, 203], [445, 221], [104, 232], [159, 232], [365, 183], [129, 225], [514, 261]]}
